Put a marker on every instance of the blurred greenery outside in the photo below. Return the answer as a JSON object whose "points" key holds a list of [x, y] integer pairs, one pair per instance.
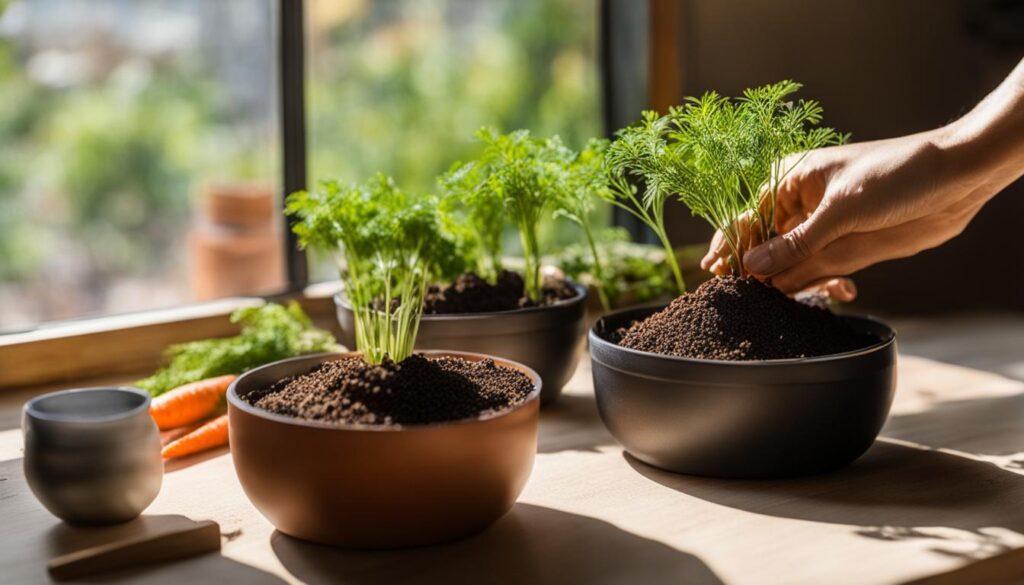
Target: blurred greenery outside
{"points": [[432, 73], [100, 170]]}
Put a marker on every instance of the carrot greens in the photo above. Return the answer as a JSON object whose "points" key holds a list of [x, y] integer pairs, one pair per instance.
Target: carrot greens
{"points": [[583, 183], [516, 179], [389, 246], [474, 213], [724, 159], [269, 333], [643, 152]]}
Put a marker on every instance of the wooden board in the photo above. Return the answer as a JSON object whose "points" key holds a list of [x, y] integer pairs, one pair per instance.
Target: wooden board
{"points": [[943, 489], [149, 539]]}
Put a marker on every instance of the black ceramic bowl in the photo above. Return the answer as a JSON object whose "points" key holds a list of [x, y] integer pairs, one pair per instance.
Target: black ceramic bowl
{"points": [[547, 339], [772, 418]]}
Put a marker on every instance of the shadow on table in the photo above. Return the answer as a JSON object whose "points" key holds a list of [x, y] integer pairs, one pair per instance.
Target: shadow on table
{"points": [[981, 426], [206, 568], [30, 537], [888, 494], [572, 424], [531, 544]]}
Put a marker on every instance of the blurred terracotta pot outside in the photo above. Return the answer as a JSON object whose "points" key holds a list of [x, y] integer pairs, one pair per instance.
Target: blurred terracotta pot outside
{"points": [[236, 244]]}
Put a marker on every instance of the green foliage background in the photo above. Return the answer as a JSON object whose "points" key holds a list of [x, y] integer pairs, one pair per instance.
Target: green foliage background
{"points": [[107, 168]]}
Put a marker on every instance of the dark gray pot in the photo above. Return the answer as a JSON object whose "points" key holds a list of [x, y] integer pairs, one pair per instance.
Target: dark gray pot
{"points": [[547, 339], [774, 418]]}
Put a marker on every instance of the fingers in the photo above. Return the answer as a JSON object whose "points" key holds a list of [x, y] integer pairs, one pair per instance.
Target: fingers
{"points": [[720, 248], [844, 256], [716, 250], [841, 289], [785, 251], [859, 250], [798, 195], [721, 267]]}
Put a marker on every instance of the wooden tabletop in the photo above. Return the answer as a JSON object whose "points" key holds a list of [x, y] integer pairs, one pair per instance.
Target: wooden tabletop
{"points": [[941, 490]]}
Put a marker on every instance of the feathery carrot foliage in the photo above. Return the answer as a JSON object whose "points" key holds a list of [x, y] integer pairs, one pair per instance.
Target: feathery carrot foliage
{"points": [[722, 158], [389, 245]]}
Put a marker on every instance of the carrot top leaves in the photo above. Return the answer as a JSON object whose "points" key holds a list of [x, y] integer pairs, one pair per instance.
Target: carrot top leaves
{"points": [[389, 245], [722, 158], [516, 178], [583, 184], [269, 333], [475, 214]]}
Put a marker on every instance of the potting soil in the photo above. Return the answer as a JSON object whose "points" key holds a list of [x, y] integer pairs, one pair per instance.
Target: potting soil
{"points": [[418, 390], [472, 294], [732, 318]]}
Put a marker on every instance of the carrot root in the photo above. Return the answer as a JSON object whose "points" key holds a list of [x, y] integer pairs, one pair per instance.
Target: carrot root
{"points": [[168, 437], [189, 403], [210, 435]]}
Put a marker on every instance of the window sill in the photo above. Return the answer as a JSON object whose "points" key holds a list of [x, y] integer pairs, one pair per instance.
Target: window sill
{"points": [[128, 344]]}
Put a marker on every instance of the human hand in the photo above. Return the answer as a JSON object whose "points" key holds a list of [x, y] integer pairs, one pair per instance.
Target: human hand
{"points": [[846, 207]]}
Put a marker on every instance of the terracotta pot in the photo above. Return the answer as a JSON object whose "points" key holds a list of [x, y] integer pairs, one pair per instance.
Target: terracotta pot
{"points": [[743, 419], [235, 244], [379, 486], [547, 339]]}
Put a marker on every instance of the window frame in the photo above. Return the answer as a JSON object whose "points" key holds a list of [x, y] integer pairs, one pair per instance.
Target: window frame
{"points": [[128, 345], [291, 86]]}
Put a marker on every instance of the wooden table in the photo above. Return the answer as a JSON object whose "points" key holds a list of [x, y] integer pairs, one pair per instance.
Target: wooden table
{"points": [[943, 489]]}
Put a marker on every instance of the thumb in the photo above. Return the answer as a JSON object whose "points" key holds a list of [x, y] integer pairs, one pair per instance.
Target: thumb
{"points": [[783, 252]]}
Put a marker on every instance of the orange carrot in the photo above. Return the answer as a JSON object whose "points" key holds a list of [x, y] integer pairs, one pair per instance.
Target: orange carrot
{"points": [[189, 403], [212, 434], [167, 437]]}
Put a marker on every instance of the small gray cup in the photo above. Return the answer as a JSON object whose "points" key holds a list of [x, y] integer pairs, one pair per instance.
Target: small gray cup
{"points": [[92, 456]]}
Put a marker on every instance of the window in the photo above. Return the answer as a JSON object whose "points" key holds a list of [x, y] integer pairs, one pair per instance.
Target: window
{"points": [[142, 145], [140, 155], [400, 86]]}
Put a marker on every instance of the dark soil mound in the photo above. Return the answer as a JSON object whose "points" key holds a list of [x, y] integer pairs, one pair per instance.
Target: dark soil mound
{"points": [[742, 319], [418, 390], [472, 294]]}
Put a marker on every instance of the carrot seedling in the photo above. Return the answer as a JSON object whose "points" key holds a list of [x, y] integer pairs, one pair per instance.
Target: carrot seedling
{"points": [[583, 184], [389, 246], [724, 159], [522, 174], [475, 214]]}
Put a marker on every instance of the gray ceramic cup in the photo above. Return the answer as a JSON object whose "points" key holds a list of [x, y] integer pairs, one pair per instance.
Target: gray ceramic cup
{"points": [[92, 456]]}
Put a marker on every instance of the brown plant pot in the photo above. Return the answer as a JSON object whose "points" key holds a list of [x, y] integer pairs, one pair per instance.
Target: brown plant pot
{"points": [[379, 486]]}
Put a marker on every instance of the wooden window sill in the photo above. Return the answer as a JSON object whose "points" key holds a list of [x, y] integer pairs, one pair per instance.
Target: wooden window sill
{"points": [[120, 345]]}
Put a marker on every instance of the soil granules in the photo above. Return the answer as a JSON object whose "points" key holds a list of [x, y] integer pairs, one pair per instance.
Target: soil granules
{"points": [[738, 319], [473, 294], [416, 391]]}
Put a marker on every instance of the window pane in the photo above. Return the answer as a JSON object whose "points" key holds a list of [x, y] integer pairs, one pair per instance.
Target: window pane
{"points": [[140, 155], [399, 86]]}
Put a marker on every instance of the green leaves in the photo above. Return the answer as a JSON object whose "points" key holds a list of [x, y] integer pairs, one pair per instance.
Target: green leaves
{"points": [[390, 245], [269, 333], [642, 153], [520, 179], [475, 213], [722, 158], [583, 183], [516, 178]]}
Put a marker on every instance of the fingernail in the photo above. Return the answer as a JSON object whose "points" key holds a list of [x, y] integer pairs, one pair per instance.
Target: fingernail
{"points": [[849, 288], [758, 260]]}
